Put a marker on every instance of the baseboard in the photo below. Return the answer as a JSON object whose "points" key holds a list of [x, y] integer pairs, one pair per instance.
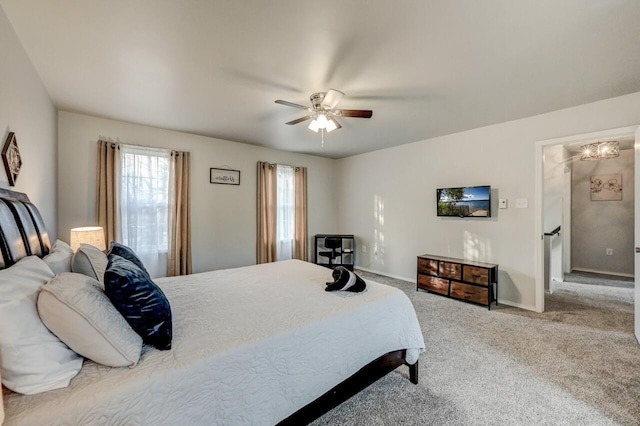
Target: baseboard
{"points": [[386, 274], [593, 271], [517, 305], [413, 280]]}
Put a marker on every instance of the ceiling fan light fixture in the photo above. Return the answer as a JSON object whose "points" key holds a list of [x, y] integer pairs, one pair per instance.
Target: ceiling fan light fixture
{"points": [[314, 126], [322, 121], [331, 125]]}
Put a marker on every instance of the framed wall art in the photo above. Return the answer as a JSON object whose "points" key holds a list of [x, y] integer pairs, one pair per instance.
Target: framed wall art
{"points": [[11, 158], [606, 187], [224, 176]]}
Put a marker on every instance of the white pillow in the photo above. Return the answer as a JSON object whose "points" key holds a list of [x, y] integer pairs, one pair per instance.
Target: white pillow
{"points": [[75, 308], [90, 261], [59, 258], [33, 359]]}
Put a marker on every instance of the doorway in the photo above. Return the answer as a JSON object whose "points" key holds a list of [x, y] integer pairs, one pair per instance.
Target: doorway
{"points": [[564, 146]]}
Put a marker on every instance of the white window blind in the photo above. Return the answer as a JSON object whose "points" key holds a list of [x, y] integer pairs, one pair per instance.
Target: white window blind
{"points": [[285, 227], [144, 192]]}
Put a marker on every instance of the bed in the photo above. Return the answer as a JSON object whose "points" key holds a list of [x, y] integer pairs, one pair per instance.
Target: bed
{"points": [[262, 344]]}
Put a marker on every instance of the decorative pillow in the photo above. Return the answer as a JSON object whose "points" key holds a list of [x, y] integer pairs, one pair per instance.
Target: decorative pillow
{"points": [[139, 300], [126, 252], [59, 258], [345, 280], [90, 261], [33, 359], [74, 308]]}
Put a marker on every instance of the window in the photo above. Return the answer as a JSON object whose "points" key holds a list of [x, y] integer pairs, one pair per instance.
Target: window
{"points": [[285, 214], [144, 204]]}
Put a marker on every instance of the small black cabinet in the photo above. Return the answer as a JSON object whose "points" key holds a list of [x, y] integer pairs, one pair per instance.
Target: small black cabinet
{"points": [[333, 250]]}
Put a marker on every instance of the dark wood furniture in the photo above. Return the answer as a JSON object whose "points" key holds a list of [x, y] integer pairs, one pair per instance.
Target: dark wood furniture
{"points": [[467, 280], [333, 250]]}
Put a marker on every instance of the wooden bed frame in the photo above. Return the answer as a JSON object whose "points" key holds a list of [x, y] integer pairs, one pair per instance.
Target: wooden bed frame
{"points": [[23, 233]]}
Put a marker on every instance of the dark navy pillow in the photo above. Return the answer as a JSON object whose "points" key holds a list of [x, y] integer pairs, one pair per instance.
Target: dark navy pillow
{"points": [[139, 300], [126, 252]]}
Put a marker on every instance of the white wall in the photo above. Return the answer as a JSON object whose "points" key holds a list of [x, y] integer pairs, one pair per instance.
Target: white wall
{"points": [[27, 110], [387, 198], [598, 225], [224, 216]]}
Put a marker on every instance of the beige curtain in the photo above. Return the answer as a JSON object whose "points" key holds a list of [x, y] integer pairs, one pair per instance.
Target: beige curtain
{"points": [[301, 247], [179, 259], [267, 204], [106, 190]]}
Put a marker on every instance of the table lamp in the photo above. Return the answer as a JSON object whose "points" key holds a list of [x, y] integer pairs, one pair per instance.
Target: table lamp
{"points": [[93, 235]]}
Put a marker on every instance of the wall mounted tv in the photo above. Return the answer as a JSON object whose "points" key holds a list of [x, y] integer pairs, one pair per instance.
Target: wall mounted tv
{"points": [[470, 201]]}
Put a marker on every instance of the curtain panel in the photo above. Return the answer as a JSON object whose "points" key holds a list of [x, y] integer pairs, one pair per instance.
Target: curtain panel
{"points": [[107, 193], [301, 247], [267, 212], [180, 214]]}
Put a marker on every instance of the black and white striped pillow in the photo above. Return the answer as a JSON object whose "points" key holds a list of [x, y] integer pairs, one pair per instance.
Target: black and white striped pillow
{"points": [[345, 280]]}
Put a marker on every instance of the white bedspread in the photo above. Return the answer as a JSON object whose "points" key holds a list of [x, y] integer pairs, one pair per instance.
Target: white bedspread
{"points": [[251, 345]]}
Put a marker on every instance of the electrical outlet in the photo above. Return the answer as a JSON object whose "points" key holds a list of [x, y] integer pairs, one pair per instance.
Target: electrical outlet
{"points": [[364, 249], [609, 252], [522, 203]]}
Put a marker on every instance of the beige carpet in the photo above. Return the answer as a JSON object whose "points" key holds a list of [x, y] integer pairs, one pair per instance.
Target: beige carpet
{"points": [[576, 364]]}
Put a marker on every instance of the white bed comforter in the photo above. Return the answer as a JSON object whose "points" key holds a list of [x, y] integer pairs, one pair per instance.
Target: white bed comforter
{"points": [[251, 345]]}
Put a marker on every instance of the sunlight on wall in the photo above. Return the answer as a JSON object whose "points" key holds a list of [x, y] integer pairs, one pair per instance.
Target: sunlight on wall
{"points": [[476, 248], [378, 242]]}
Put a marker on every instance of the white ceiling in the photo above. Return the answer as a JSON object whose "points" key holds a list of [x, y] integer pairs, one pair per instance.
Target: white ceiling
{"points": [[425, 67]]}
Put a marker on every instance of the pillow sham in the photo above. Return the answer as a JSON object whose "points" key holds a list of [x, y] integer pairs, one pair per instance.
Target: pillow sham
{"points": [[74, 308], [127, 253], [59, 258], [139, 300], [90, 261], [33, 359]]}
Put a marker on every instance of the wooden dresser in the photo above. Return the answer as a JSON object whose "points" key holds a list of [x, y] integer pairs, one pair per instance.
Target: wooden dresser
{"points": [[466, 280]]}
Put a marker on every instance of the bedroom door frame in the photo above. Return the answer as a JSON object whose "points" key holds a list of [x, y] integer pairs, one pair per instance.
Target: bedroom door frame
{"points": [[539, 208]]}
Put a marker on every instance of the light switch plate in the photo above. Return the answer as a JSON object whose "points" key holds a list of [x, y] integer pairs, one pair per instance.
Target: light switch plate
{"points": [[502, 203], [522, 203]]}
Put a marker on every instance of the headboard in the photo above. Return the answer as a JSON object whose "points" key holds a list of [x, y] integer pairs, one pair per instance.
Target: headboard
{"points": [[22, 230]]}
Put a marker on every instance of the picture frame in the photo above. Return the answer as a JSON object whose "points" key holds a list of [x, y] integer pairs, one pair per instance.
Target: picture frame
{"points": [[11, 158], [606, 187], [224, 176]]}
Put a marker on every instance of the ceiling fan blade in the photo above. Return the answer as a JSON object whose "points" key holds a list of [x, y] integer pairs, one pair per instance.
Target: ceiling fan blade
{"points": [[332, 98], [291, 104], [300, 120], [357, 113], [338, 126]]}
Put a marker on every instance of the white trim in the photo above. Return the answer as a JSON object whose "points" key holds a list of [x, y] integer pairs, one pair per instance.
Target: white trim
{"points": [[593, 271], [539, 177], [397, 277], [517, 305]]}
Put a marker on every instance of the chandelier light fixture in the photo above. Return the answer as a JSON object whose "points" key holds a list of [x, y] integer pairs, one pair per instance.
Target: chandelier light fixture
{"points": [[600, 150]]}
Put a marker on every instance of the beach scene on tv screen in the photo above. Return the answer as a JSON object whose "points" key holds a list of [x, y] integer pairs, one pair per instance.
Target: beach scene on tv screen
{"points": [[473, 201]]}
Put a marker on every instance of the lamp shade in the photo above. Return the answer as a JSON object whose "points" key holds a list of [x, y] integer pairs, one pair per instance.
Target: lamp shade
{"points": [[93, 235]]}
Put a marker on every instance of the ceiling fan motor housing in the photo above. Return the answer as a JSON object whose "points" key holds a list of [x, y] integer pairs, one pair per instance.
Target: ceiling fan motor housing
{"points": [[316, 100]]}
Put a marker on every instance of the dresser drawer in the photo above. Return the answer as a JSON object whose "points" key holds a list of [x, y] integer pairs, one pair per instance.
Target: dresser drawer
{"points": [[451, 270], [437, 285], [428, 266], [470, 292], [476, 275]]}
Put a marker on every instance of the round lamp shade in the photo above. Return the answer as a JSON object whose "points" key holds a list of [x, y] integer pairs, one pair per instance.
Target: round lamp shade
{"points": [[93, 235]]}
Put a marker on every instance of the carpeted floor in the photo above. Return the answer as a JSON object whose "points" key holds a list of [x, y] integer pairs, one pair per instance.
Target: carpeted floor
{"points": [[599, 279], [576, 364]]}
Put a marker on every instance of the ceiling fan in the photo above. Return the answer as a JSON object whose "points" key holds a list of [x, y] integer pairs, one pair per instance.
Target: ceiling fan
{"points": [[323, 111]]}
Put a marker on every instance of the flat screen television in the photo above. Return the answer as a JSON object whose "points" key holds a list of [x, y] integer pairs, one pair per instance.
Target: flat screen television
{"points": [[470, 201]]}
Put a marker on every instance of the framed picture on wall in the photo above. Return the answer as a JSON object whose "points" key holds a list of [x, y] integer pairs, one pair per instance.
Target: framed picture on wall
{"points": [[224, 176], [606, 187]]}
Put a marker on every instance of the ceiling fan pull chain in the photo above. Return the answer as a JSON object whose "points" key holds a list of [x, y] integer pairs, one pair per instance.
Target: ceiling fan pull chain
{"points": [[322, 138]]}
